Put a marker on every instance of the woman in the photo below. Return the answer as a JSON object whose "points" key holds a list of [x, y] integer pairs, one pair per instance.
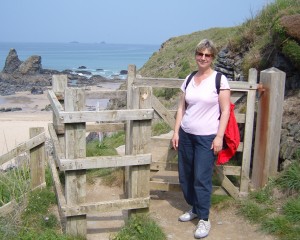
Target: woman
{"points": [[201, 121]]}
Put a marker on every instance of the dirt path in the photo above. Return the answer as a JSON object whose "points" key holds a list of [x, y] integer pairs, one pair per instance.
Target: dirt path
{"points": [[165, 207]]}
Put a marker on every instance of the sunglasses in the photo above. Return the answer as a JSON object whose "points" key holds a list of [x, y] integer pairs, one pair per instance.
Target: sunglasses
{"points": [[204, 54]]}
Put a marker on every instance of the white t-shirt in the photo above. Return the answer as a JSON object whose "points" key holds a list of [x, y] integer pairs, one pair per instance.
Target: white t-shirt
{"points": [[203, 111]]}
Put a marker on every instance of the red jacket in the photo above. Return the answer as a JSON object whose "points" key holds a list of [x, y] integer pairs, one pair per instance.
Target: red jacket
{"points": [[231, 138]]}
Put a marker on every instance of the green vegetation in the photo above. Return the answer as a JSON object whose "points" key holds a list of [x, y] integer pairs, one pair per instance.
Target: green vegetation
{"points": [[13, 184], [176, 57], [31, 218], [277, 206], [251, 39], [140, 227], [161, 127], [107, 146]]}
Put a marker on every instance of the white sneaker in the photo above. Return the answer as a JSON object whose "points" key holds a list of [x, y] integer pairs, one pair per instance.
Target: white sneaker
{"points": [[202, 230], [188, 216]]}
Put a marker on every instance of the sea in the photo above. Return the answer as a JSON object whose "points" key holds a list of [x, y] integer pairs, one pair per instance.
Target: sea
{"points": [[103, 59]]}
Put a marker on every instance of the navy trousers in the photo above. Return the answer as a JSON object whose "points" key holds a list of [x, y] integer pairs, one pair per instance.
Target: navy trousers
{"points": [[195, 167]]}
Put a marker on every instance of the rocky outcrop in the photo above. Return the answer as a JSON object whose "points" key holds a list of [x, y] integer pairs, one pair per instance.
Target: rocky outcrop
{"points": [[29, 75], [12, 62], [32, 65], [229, 64], [13, 65]]}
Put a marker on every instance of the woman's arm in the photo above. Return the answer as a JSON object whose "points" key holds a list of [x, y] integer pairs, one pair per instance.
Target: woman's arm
{"points": [[179, 115], [224, 101]]}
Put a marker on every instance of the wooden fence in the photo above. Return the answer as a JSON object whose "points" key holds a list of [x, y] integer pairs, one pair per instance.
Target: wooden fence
{"points": [[145, 155], [35, 146], [68, 132]]}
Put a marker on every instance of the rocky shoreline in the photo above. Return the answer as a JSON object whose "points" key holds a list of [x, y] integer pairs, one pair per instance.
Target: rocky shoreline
{"points": [[28, 75]]}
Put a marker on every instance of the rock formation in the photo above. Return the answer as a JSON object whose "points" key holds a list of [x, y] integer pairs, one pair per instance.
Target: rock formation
{"points": [[12, 62], [27, 75]]}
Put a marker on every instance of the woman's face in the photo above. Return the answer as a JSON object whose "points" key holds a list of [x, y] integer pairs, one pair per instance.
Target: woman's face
{"points": [[204, 58]]}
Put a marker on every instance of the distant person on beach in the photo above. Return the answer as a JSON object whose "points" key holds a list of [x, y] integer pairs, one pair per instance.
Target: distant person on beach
{"points": [[201, 121]]}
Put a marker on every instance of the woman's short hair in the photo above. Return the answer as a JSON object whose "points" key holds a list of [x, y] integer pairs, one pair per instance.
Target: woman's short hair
{"points": [[206, 44]]}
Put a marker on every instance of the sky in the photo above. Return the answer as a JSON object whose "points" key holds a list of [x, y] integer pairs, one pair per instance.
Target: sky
{"points": [[118, 21]]}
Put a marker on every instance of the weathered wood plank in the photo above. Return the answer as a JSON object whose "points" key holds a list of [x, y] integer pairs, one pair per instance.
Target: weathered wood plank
{"points": [[227, 184], [230, 170], [58, 152], [141, 135], [129, 126], [168, 166], [37, 161], [56, 106], [240, 117], [105, 127], [59, 83], [176, 83], [268, 127], [23, 147], [248, 134], [107, 206], [156, 185], [104, 162], [61, 201], [106, 115], [158, 82], [75, 144], [240, 147], [163, 141], [164, 186], [106, 94]]}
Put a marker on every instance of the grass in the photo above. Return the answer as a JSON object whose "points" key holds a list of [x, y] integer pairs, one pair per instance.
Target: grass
{"points": [[13, 184], [110, 176], [31, 218], [160, 127], [277, 206], [140, 227], [107, 146]]}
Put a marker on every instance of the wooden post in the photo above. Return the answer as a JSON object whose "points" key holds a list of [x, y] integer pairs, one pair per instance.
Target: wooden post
{"points": [[75, 143], [37, 161], [128, 135], [268, 126], [139, 176], [59, 84], [248, 133]]}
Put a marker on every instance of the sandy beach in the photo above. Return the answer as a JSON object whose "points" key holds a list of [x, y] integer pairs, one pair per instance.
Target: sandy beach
{"points": [[14, 126]]}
